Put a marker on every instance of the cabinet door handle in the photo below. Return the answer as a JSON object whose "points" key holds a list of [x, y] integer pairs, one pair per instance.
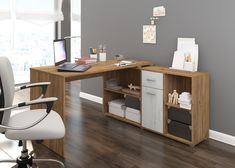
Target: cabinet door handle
{"points": [[152, 94], [151, 80]]}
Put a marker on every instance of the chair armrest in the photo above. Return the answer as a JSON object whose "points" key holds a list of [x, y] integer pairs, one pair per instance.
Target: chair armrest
{"points": [[48, 101], [43, 86]]}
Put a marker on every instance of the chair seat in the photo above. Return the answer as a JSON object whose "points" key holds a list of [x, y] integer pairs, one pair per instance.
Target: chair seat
{"points": [[51, 127]]}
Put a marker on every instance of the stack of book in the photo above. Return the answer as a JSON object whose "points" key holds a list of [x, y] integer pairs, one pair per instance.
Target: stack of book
{"points": [[185, 100], [85, 60]]}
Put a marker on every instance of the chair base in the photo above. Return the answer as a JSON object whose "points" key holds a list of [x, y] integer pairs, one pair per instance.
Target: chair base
{"points": [[28, 163], [26, 160]]}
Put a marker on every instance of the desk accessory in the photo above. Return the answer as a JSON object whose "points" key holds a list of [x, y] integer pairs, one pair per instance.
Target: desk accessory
{"points": [[124, 63], [119, 57], [93, 53], [102, 52]]}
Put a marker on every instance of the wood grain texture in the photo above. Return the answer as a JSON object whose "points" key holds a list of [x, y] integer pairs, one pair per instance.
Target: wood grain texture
{"points": [[197, 83], [57, 87], [124, 78], [200, 108], [170, 71], [97, 69], [96, 141]]}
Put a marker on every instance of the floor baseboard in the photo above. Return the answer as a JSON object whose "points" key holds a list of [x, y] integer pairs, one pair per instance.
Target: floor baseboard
{"points": [[91, 97], [218, 136], [225, 138]]}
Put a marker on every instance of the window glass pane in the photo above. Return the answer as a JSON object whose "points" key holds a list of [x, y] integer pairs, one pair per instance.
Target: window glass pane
{"points": [[35, 5], [76, 6], [33, 47], [5, 37], [76, 29], [4, 4], [24, 43]]}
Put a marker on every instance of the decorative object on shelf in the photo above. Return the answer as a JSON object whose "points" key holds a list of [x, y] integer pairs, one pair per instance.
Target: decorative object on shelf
{"points": [[175, 97], [186, 56], [134, 90], [185, 100], [170, 98], [132, 87]]}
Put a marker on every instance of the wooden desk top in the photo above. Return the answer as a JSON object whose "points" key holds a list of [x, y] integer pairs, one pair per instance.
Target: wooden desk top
{"points": [[96, 70], [167, 70]]}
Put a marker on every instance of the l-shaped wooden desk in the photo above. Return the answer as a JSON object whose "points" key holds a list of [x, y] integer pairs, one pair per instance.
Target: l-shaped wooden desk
{"points": [[157, 115], [57, 87]]}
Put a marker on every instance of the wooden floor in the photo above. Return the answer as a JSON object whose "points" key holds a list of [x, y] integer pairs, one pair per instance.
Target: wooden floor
{"points": [[95, 141]]}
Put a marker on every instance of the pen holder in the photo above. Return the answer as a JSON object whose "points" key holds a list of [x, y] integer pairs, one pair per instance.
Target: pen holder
{"points": [[102, 56], [93, 56]]}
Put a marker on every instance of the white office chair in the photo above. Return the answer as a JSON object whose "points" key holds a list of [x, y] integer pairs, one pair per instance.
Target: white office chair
{"points": [[36, 124]]}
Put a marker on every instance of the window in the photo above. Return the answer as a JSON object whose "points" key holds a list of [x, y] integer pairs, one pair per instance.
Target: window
{"points": [[75, 29], [27, 33]]}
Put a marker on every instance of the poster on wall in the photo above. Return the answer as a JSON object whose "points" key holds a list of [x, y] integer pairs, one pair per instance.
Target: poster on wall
{"points": [[150, 34]]}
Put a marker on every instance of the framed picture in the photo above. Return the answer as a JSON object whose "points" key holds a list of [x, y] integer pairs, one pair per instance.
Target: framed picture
{"points": [[150, 34]]}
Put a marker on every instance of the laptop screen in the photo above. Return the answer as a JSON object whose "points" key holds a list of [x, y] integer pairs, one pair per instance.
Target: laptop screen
{"points": [[60, 55]]}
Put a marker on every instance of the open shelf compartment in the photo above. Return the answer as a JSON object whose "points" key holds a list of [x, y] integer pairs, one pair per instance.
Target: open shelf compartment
{"points": [[124, 78], [180, 84]]}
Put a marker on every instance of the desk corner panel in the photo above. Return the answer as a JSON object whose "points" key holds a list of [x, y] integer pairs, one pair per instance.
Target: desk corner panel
{"points": [[55, 89]]}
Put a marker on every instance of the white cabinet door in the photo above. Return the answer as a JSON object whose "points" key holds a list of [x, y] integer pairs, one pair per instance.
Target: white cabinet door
{"points": [[152, 109]]}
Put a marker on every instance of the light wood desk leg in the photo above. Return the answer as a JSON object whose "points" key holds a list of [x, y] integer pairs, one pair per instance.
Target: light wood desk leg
{"points": [[56, 89]]}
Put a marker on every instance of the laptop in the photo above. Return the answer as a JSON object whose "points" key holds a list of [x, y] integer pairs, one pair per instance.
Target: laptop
{"points": [[60, 58]]}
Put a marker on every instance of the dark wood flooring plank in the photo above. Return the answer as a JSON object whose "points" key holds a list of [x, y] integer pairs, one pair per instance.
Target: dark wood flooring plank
{"points": [[95, 141]]}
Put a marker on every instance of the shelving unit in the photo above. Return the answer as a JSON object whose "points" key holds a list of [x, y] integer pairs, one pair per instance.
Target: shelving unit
{"points": [[169, 105], [124, 78], [119, 91], [195, 128], [187, 126], [123, 119]]}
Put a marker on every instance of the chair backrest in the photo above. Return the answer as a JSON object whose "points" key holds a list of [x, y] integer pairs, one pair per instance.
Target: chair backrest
{"points": [[7, 89]]}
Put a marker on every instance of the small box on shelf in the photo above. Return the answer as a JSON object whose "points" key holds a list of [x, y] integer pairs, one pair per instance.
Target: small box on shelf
{"points": [[117, 107], [133, 114]]}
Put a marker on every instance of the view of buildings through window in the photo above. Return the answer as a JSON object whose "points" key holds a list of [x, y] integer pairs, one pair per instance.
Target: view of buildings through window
{"points": [[75, 29], [26, 45], [30, 43], [27, 34]]}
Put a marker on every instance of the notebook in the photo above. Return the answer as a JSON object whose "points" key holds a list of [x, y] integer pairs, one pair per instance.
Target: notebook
{"points": [[60, 58]]}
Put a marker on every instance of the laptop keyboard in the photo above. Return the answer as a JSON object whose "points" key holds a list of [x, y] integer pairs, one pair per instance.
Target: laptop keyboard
{"points": [[81, 68], [71, 66]]}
